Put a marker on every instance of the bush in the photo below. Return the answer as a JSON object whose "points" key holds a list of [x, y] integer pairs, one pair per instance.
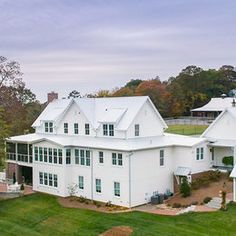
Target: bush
{"points": [[207, 199], [228, 160], [82, 199], [22, 187], [194, 203], [185, 189], [176, 205]]}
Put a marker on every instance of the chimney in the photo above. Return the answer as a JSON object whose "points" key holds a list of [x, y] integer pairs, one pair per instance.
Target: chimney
{"points": [[52, 96]]}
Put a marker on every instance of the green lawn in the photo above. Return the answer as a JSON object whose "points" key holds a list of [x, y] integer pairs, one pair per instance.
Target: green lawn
{"points": [[40, 214], [186, 129]]}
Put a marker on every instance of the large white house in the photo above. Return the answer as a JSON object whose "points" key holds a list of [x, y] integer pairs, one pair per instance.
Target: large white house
{"points": [[114, 149]]}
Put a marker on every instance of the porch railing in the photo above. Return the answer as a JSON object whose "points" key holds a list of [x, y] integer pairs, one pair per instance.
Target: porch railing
{"points": [[20, 157]]}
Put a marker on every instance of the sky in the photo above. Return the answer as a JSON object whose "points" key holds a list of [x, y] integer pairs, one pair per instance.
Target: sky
{"points": [[90, 45]]}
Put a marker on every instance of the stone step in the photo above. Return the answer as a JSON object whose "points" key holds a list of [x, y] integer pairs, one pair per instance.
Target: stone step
{"points": [[216, 203]]}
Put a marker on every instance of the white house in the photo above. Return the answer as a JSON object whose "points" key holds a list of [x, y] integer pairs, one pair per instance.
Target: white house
{"points": [[114, 149]]}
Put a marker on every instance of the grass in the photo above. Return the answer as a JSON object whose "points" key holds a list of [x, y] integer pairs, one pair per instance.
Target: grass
{"points": [[186, 129], [41, 214]]}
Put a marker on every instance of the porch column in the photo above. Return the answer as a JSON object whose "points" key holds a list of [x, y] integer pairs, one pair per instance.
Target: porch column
{"points": [[28, 153], [16, 173]]}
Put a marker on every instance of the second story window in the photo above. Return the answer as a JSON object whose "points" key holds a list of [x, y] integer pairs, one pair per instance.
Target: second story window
{"points": [[68, 156], [87, 129], [48, 127], [136, 130], [65, 128], [117, 159], [162, 158], [76, 128], [101, 160], [108, 129]]}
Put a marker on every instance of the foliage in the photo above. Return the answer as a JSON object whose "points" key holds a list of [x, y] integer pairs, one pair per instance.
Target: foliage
{"points": [[223, 200], [186, 129], [74, 94], [72, 189], [22, 187], [185, 188], [207, 199], [228, 160], [176, 205]]}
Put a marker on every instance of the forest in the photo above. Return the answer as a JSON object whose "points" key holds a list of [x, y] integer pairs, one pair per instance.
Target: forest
{"points": [[191, 88]]}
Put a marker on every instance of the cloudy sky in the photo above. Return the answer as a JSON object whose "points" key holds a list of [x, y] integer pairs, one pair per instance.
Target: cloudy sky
{"points": [[101, 44]]}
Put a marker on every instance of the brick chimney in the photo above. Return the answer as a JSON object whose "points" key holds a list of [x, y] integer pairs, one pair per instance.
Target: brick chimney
{"points": [[52, 96]]}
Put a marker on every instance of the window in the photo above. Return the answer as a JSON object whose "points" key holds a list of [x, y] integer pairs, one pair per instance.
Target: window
{"points": [[40, 154], [117, 159], [87, 158], [55, 180], [45, 152], [81, 182], [36, 154], [76, 156], [200, 153], [50, 155], [120, 159], [117, 189], [98, 185], [161, 157], [111, 130], [101, 160], [87, 129], [60, 156], [108, 130], [82, 159], [55, 156], [68, 156], [136, 130], [76, 128], [48, 127], [105, 129], [50, 179], [45, 178], [65, 128], [41, 177], [113, 158]]}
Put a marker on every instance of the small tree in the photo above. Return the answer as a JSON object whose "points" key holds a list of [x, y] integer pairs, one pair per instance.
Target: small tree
{"points": [[228, 160], [185, 189]]}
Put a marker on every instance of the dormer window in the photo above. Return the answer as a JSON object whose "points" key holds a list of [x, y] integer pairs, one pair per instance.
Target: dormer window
{"points": [[108, 130], [48, 127], [87, 129]]}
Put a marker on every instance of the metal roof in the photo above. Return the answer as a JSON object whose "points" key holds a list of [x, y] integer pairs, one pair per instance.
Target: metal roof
{"points": [[182, 171]]}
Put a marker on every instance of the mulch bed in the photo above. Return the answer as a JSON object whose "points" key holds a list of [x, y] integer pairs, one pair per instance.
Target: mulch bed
{"points": [[118, 231]]}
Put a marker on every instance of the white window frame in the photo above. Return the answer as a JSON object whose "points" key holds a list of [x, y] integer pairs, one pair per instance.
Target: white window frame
{"points": [[116, 189], [101, 157], [162, 157], [66, 128], [136, 130], [87, 128], [200, 153], [81, 182], [117, 159], [76, 128], [98, 186]]}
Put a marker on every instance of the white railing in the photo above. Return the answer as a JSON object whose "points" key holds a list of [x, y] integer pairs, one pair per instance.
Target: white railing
{"points": [[20, 157], [2, 176]]}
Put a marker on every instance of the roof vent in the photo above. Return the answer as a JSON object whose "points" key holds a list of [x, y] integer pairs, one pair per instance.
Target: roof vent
{"points": [[233, 103]]}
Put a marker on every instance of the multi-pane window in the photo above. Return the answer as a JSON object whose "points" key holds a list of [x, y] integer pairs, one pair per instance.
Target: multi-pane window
{"points": [[41, 177], [87, 129], [55, 180], [136, 129], [48, 179], [105, 129], [101, 159], [200, 153], [50, 155], [162, 154], [87, 158], [45, 152], [48, 127], [98, 185], [81, 182], [36, 154], [76, 128], [76, 156], [82, 157], [108, 130], [117, 159], [55, 155], [68, 156], [40, 154], [117, 189], [45, 178], [60, 156], [65, 128]]}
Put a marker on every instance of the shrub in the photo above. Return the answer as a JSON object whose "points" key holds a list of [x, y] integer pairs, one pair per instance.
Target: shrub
{"points": [[228, 160], [194, 203], [82, 199], [185, 189], [207, 199], [176, 205]]}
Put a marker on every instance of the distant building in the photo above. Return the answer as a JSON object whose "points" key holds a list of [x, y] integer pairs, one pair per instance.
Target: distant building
{"points": [[213, 108]]}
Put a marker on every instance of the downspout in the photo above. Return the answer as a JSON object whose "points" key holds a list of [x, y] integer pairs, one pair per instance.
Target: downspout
{"points": [[91, 175], [130, 198]]}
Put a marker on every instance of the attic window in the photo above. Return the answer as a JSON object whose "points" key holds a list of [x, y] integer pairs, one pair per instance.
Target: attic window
{"points": [[48, 127]]}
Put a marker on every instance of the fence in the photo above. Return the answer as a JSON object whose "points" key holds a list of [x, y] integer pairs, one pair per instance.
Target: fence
{"points": [[188, 120]]}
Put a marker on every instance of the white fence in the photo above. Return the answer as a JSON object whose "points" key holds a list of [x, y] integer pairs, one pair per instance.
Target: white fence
{"points": [[189, 120]]}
